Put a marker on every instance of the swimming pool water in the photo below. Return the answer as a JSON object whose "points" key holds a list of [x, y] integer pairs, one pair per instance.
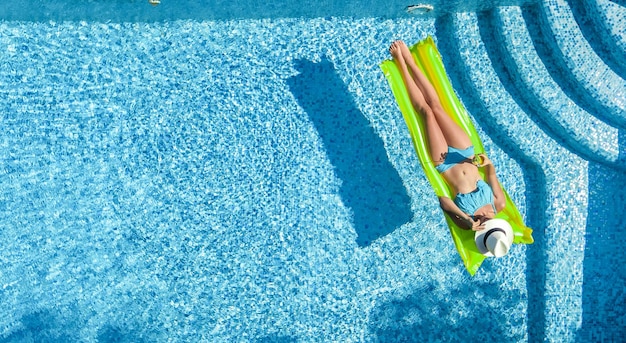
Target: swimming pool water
{"points": [[194, 179], [137, 11]]}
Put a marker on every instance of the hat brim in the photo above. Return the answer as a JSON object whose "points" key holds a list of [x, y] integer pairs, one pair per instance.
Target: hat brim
{"points": [[479, 237]]}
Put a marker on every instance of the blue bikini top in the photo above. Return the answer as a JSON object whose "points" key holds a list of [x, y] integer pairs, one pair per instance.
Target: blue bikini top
{"points": [[472, 201]]}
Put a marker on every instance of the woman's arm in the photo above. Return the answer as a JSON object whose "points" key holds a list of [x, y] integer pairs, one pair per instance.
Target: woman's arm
{"points": [[463, 220], [492, 181]]}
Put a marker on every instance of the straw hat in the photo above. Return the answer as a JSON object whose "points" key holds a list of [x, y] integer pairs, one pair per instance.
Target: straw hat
{"points": [[495, 239]]}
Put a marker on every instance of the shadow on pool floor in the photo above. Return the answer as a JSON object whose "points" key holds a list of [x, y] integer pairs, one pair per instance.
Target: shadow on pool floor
{"points": [[371, 186], [472, 312]]}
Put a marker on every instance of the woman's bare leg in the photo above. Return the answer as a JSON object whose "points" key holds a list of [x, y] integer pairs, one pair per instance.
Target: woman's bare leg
{"points": [[453, 133], [436, 140]]}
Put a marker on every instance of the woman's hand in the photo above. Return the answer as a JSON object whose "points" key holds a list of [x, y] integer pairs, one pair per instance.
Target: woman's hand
{"points": [[474, 225], [483, 161]]}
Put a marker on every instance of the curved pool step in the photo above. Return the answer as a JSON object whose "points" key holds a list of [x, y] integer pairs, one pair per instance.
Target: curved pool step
{"points": [[528, 81], [551, 316], [475, 74], [573, 63], [602, 22]]}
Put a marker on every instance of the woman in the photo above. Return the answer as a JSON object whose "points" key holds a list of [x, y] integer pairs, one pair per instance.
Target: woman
{"points": [[451, 150]]}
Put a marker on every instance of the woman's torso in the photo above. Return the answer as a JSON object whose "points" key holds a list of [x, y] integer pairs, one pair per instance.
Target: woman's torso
{"points": [[462, 177]]}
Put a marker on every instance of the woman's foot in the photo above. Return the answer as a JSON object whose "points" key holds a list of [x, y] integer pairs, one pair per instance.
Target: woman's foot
{"points": [[396, 51]]}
